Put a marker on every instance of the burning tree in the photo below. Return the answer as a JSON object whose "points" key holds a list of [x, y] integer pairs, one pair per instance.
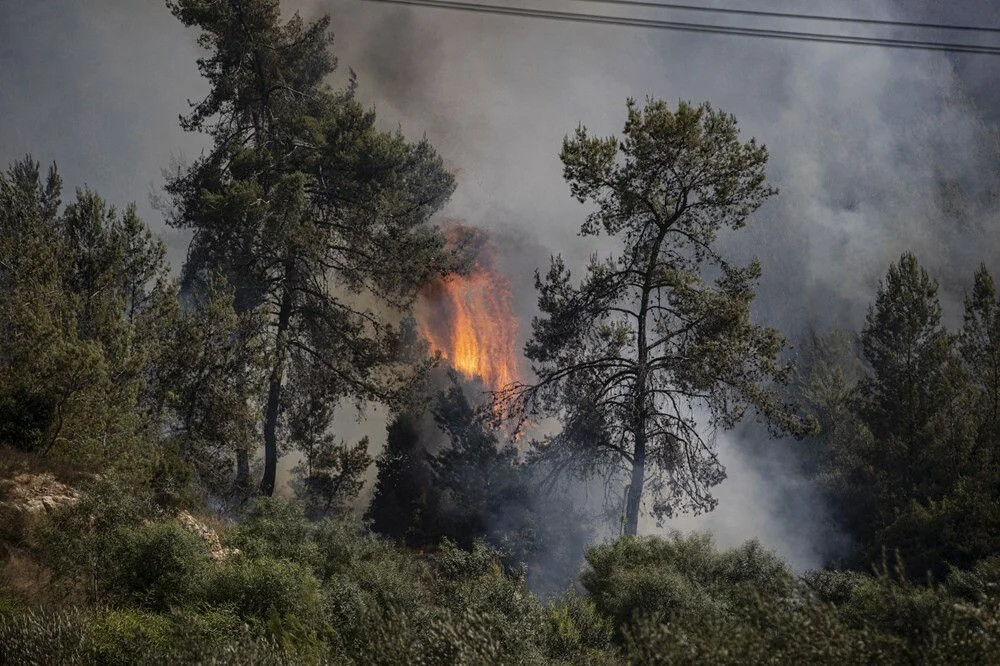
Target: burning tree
{"points": [[468, 319], [654, 350]]}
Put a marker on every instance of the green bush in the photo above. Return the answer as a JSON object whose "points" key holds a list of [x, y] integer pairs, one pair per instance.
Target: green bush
{"points": [[82, 542], [157, 565], [475, 591], [680, 576], [770, 632], [118, 636], [276, 528], [575, 632], [257, 588], [368, 582], [123, 637]]}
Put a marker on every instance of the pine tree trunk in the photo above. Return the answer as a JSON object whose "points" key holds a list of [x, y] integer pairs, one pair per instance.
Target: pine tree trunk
{"points": [[641, 396], [635, 486], [274, 399], [242, 480]]}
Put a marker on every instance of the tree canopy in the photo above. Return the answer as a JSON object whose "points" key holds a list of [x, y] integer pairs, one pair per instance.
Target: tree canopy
{"points": [[319, 219], [655, 349]]}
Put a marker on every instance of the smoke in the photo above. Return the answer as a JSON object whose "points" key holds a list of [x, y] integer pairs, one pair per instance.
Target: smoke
{"points": [[97, 87], [875, 151]]}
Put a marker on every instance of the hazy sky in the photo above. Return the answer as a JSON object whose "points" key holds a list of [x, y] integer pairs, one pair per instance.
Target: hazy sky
{"points": [[874, 151]]}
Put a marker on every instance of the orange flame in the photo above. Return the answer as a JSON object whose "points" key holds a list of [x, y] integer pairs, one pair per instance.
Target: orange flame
{"points": [[470, 321]]}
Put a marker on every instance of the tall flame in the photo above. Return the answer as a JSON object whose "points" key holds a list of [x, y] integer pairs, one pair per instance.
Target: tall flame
{"points": [[470, 321]]}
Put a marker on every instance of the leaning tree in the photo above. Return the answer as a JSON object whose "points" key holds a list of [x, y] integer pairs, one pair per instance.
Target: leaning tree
{"points": [[654, 349], [319, 220]]}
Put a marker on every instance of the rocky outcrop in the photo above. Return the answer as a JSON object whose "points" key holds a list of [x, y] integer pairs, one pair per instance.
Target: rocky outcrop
{"points": [[209, 536], [35, 492]]}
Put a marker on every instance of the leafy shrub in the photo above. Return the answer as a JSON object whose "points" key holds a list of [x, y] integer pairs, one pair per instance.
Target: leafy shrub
{"points": [[157, 565], [680, 576], [118, 636], [770, 632], [258, 588], [368, 582], [276, 528], [575, 632], [476, 590], [79, 542]]}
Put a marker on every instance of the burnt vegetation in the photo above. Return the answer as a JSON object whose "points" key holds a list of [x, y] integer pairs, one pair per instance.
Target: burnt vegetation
{"points": [[143, 517]]}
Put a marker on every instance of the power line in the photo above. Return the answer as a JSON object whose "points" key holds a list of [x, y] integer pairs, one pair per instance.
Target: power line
{"points": [[789, 15], [696, 27]]}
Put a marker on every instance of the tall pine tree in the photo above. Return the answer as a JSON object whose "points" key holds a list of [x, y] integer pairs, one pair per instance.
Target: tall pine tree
{"points": [[319, 219], [654, 349]]}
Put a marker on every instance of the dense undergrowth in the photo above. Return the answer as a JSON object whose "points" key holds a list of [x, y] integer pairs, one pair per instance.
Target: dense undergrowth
{"points": [[125, 582]]}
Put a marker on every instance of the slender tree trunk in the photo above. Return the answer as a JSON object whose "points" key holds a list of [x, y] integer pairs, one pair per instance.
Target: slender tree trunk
{"points": [[242, 481], [274, 398], [635, 486], [633, 501]]}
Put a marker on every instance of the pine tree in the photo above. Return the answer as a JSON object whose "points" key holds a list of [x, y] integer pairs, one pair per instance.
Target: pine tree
{"points": [[661, 332], [403, 503], [901, 476], [979, 343], [319, 219], [85, 308], [214, 371]]}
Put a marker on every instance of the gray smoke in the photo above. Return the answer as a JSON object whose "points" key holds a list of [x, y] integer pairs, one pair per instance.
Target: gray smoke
{"points": [[875, 151]]}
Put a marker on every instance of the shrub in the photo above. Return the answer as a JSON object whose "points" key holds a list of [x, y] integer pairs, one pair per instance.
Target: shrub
{"points": [[80, 542], [368, 583], [280, 597], [680, 576], [157, 565], [119, 636], [575, 632], [276, 528], [771, 632], [474, 590]]}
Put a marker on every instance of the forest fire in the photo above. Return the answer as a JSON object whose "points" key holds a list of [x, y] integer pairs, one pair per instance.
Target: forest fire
{"points": [[470, 321]]}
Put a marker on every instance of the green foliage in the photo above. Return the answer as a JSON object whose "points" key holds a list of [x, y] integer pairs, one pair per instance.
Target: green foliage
{"points": [[85, 304], [305, 205], [78, 541], [907, 449], [276, 528], [575, 632], [118, 636], [661, 330], [158, 565], [213, 370], [331, 592], [681, 576], [274, 592]]}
